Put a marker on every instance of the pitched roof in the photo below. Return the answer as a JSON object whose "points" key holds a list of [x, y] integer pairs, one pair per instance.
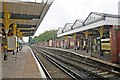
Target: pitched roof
{"points": [[93, 20]]}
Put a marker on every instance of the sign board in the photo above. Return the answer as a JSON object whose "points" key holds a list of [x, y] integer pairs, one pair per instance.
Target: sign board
{"points": [[12, 43]]}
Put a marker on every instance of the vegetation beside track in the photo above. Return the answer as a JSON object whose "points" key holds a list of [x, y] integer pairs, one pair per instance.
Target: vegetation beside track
{"points": [[47, 35]]}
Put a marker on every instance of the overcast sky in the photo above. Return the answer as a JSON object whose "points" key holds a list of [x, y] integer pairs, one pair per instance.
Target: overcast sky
{"points": [[67, 11]]}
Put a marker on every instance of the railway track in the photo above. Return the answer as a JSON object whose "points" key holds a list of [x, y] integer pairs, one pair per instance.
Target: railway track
{"points": [[42, 65], [70, 70], [79, 69], [91, 71], [51, 70], [98, 63]]}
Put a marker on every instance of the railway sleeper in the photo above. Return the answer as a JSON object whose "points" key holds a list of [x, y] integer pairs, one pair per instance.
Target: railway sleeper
{"points": [[98, 64], [92, 61], [76, 76], [84, 70]]}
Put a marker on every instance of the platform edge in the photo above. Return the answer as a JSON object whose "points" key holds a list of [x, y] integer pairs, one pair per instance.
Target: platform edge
{"points": [[39, 67]]}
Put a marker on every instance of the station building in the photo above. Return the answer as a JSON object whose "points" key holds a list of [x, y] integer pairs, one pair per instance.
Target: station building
{"points": [[98, 34]]}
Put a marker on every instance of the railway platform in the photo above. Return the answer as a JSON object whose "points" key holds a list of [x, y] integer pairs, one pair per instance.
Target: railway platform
{"points": [[96, 57], [25, 66], [106, 56]]}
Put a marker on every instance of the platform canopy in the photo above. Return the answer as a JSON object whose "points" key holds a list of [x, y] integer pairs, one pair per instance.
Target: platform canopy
{"points": [[67, 27], [93, 21], [27, 15]]}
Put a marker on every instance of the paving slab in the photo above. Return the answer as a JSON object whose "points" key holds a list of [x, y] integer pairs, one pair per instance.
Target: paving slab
{"points": [[23, 67]]}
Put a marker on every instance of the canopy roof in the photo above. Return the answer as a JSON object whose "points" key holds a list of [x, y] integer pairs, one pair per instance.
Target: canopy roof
{"points": [[27, 15], [77, 23], [60, 30], [93, 20], [67, 27]]}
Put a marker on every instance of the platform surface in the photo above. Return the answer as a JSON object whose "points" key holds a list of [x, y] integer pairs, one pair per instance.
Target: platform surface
{"points": [[23, 67]]}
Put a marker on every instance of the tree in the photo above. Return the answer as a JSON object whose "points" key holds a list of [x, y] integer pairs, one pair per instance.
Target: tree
{"points": [[47, 35]]}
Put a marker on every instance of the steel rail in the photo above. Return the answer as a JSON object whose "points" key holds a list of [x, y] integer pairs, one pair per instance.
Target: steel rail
{"points": [[73, 72], [108, 73], [61, 67], [43, 67], [110, 67]]}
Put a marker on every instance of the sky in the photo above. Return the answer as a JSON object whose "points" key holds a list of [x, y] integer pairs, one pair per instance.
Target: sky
{"points": [[67, 11]]}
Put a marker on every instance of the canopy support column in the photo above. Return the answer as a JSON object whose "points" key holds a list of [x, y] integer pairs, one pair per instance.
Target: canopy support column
{"points": [[6, 23], [101, 32], [86, 33]]}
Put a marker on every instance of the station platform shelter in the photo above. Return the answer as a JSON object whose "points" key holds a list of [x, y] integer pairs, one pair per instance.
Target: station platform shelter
{"points": [[18, 19], [98, 34]]}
